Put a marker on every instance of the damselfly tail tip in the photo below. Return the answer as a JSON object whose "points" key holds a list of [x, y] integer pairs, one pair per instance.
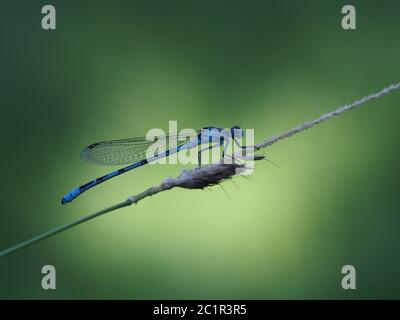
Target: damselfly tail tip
{"points": [[66, 199], [71, 196]]}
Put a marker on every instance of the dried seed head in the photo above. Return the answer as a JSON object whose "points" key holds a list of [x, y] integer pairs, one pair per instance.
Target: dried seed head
{"points": [[207, 176]]}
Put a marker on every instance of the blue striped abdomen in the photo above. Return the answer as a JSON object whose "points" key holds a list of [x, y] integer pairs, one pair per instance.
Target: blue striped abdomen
{"points": [[78, 191]]}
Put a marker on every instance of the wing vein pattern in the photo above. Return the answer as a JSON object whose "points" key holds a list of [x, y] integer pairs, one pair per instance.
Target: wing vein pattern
{"points": [[124, 151]]}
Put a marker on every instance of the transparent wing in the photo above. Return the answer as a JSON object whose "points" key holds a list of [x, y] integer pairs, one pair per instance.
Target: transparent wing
{"points": [[124, 151]]}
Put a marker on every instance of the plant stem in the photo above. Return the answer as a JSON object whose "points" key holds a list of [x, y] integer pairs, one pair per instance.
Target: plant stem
{"points": [[308, 124], [64, 227]]}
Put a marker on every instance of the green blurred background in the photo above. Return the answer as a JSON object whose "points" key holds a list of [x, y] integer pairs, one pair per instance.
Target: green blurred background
{"points": [[115, 69]]}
